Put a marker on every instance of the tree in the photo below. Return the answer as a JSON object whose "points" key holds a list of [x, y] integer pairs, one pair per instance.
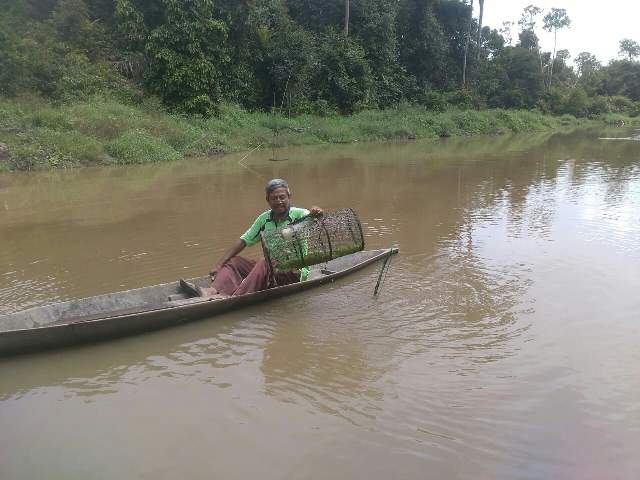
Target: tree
{"points": [[505, 31], [272, 57], [555, 20], [344, 77], [480, 15], [528, 38], [346, 17], [38, 9], [576, 103], [73, 23], [588, 72], [563, 72], [493, 43], [529, 17], [374, 26], [630, 48], [622, 77], [71, 18], [466, 45], [186, 56], [317, 16], [451, 16], [513, 79], [587, 63], [423, 46], [10, 65]]}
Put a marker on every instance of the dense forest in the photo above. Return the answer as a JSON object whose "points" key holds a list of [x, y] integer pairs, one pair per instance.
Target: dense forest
{"points": [[304, 56]]}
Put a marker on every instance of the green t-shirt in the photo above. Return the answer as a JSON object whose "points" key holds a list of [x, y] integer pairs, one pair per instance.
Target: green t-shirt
{"points": [[264, 222]]}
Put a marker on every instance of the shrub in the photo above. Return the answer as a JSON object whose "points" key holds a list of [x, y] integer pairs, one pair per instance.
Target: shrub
{"points": [[600, 105], [444, 126], [81, 79], [73, 147], [322, 108], [103, 118], [138, 146], [462, 98], [434, 100], [567, 119], [38, 152], [470, 121], [620, 104], [576, 103]]}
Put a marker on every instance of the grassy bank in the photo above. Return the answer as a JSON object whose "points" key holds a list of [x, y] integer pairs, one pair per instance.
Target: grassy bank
{"points": [[40, 135]]}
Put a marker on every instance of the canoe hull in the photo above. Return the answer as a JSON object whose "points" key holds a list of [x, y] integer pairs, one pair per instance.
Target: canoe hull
{"points": [[61, 333]]}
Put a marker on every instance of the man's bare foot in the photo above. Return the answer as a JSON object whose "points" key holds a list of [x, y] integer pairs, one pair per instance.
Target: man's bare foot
{"points": [[207, 291]]}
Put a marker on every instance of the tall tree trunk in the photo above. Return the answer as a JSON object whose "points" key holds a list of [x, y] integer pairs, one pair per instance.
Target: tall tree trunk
{"points": [[553, 58], [480, 29], [346, 18], [466, 46], [544, 82]]}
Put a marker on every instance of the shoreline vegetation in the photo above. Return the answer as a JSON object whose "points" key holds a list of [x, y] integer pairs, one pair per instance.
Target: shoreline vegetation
{"points": [[40, 135], [104, 82]]}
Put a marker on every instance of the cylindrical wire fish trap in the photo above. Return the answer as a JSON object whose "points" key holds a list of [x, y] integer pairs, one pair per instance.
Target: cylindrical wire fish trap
{"points": [[313, 240]]}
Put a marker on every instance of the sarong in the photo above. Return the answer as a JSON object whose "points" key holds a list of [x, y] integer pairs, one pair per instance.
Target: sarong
{"points": [[240, 275]]}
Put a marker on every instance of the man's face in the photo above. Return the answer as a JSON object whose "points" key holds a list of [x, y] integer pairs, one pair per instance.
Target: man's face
{"points": [[279, 200]]}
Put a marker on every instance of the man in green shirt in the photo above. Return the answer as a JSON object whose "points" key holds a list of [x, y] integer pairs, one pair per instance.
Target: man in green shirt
{"points": [[235, 275]]}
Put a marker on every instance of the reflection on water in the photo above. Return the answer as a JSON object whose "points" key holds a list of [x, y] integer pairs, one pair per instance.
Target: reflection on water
{"points": [[503, 343]]}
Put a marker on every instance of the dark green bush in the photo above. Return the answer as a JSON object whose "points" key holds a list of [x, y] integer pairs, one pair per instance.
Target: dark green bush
{"points": [[434, 100]]}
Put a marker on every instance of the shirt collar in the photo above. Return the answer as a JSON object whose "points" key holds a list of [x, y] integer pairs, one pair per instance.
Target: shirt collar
{"points": [[288, 217]]}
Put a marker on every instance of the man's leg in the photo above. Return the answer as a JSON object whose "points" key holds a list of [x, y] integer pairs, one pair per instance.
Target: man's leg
{"points": [[231, 276], [258, 279]]}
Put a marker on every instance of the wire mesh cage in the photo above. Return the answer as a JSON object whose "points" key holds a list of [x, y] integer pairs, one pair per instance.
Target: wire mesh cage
{"points": [[313, 240]]}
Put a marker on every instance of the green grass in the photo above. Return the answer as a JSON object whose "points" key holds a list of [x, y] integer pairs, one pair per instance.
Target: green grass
{"points": [[139, 146], [42, 135]]}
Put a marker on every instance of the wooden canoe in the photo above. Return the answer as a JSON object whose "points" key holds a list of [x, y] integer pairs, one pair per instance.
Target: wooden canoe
{"points": [[145, 309]]}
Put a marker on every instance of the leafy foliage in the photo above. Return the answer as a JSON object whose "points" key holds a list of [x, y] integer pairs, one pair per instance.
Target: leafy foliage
{"points": [[294, 56], [630, 48], [184, 48], [344, 77]]}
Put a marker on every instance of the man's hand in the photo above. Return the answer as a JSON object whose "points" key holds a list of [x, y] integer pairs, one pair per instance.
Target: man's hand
{"points": [[315, 212]]}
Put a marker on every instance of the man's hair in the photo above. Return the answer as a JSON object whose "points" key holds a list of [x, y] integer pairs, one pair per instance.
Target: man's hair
{"points": [[276, 183]]}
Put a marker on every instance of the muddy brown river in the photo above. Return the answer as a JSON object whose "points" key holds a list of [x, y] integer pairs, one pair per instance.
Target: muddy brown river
{"points": [[505, 343]]}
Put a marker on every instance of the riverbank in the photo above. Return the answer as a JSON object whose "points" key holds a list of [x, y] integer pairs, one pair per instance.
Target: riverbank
{"points": [[37, 135]]}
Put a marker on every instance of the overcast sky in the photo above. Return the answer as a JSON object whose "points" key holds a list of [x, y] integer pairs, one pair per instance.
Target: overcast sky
{"points": [[596, 27]]}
